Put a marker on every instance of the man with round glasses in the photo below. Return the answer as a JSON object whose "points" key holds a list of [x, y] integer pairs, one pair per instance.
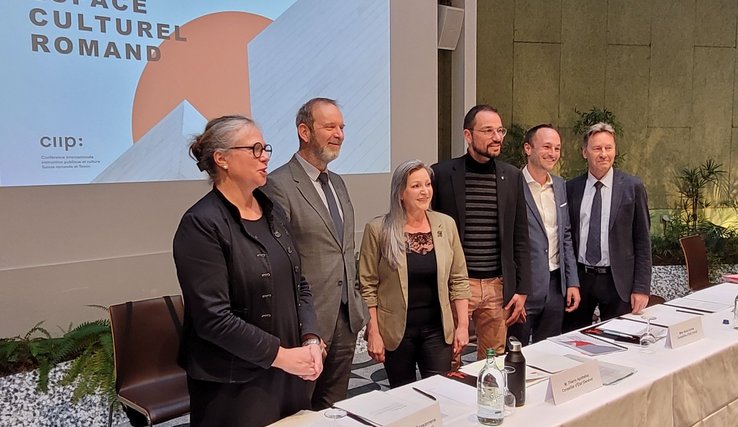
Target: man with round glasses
{"points": [[485, 197], [321, 217]]}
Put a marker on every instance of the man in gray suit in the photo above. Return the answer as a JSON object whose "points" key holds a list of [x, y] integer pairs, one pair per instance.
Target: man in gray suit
{"points": [[321, 217], [610, 230], [554, 281]]}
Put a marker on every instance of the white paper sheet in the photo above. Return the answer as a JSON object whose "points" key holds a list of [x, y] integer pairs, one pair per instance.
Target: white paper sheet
{"points": [[315, 419], [455, 399], [723, 294], [474, 367], [609, 372], [450, 389], [379, 407], [548, 362], [698, 304], [664, 315]]}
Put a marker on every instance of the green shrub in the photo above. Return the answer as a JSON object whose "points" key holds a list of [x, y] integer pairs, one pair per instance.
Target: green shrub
{"points": [[89, 346]]}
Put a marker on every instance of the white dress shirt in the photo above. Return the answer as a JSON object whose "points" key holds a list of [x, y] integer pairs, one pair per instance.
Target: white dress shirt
{"points": [[584, 211], [543, 195]]}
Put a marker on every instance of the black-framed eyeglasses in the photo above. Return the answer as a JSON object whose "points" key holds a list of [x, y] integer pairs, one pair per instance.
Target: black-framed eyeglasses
{"points": [[257, 149]]}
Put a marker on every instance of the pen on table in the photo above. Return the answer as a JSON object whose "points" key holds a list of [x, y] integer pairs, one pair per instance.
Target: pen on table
{"points": [[690, 312], [428, 395], [360, 420], [689, 308]]}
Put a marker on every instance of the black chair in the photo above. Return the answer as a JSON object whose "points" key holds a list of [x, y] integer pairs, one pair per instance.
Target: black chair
{"points": [[149, 383], [695, 255]]}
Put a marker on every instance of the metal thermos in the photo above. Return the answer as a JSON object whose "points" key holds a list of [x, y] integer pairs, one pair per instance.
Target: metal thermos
{"points": [[516, 380]]}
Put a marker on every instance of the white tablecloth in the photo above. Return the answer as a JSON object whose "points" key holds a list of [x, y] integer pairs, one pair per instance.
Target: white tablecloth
{"points": [[694, 385]]}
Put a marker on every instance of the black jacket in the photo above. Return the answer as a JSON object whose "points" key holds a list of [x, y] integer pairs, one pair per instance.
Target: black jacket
{"points": [[449, 197], [225, 276]]}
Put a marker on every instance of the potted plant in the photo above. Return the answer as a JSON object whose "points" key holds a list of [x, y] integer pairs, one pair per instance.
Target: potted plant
{"points": [[699, 188], [512, 150]]}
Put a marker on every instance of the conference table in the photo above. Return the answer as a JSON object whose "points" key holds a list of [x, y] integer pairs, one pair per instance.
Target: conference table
{"points": [[693, 385]]}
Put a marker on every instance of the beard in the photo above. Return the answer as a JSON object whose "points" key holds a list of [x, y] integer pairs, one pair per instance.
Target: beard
{"points": [[327, 154], [483, 152]]}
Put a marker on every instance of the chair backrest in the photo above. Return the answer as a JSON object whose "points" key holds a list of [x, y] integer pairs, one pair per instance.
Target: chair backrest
{"points": [[655, 300], [146, 337], [695, 254]]}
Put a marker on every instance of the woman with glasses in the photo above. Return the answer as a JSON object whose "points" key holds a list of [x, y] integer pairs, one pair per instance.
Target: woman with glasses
{"points": [[413, 278], [249, 340]]}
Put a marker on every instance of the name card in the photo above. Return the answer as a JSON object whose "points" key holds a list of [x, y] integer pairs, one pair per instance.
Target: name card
{"points": [[685, 332], [574, 382]]}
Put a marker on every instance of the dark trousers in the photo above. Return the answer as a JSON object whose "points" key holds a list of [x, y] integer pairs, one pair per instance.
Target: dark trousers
{"points": [[425, 347], [269, 397], [332, 385], [545, 316], [595, 289]]}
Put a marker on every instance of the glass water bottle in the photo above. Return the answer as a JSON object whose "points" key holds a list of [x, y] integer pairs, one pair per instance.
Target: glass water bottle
{"points": [[490, 393]]}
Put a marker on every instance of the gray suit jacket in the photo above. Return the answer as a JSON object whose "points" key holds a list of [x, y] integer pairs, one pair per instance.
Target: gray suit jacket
{"points": [[629, 238], [538, 244], [325, 260]]}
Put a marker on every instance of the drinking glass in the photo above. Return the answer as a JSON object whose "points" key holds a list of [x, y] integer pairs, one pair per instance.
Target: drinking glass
{"points": [[334, 414], [509, 398], [648, 339]]}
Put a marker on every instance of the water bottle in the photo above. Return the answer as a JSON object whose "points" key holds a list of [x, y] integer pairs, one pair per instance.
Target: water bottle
{"points": [[735, 313], [516, 380], [490, 393]]}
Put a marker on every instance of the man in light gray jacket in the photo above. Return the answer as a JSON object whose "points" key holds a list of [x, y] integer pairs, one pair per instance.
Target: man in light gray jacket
{"points": [[318, 207]]}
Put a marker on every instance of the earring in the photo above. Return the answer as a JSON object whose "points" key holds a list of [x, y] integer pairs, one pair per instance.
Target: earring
{"points": [[225, 167]]}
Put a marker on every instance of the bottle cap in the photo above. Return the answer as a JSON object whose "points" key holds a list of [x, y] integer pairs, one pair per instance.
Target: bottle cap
{"points": [[726, 322], [515, 344]]}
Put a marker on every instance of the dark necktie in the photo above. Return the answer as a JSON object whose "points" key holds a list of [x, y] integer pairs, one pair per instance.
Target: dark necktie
{"points": [[594, 250], [332, 205], [337, 222]]}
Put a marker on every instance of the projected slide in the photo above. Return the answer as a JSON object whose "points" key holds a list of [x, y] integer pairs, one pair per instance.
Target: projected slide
{"points": [[113, 90]]}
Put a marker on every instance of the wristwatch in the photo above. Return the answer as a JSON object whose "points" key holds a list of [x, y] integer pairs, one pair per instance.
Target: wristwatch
{"points": [[309, 341]]}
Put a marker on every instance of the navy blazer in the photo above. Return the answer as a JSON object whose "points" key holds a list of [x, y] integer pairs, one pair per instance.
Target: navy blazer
{"points": [[540, 274], [449, 197], [629, 235]]}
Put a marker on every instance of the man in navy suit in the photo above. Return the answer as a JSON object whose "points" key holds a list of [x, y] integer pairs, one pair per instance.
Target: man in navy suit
{"points": [[554, 281], [610, 223]]}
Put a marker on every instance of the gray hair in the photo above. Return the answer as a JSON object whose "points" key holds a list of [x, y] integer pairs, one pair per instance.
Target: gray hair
{"points": [[392, 235], [595, 129], [217, 136], [305, 113]]}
